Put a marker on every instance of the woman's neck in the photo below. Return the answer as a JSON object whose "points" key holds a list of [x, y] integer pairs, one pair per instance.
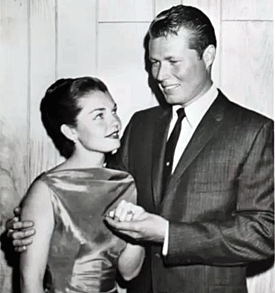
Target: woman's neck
{"points": [[88, 160]]}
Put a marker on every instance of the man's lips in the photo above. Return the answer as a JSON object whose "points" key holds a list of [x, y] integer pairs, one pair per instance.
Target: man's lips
{"points": [[169, 87]]}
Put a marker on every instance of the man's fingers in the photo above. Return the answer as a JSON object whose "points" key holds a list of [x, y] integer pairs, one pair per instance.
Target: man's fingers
{"points": [[22, 225], [9, 224], [17, 211], [21, 235], [131, 228], [9, 233], [20, 248], [15, 224], [22, 242]]}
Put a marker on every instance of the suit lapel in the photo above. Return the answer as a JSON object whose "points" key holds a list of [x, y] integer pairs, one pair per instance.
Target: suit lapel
{"points": [[158, 150], [205, 130]]}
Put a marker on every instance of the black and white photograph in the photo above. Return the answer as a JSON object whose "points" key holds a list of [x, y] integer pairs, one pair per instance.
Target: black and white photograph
{"points": [[136, 146]]}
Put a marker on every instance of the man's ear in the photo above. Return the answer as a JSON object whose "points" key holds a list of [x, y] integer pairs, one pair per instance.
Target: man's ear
{"points": [[209, 56], [69, 132]]}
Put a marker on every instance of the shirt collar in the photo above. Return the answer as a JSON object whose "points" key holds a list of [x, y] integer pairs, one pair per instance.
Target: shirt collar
{"points": [[196, 110]]}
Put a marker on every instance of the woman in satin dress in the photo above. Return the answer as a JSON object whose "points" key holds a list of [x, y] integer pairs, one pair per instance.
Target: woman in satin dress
{"points": [[68, 203]]}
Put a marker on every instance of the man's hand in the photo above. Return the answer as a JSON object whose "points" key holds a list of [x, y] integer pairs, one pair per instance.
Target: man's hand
{"points": [[145, 227], [20, 232]]}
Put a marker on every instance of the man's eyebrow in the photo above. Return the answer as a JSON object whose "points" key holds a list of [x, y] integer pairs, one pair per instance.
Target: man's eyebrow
{"points": [[171, 57], [165, 58]]}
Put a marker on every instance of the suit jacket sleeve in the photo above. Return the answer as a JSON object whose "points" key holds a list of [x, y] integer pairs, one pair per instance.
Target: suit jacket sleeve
{"points": [[249, 236]]}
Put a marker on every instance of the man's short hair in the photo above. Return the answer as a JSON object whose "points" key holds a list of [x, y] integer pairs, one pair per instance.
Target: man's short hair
{"points": [[170, 21]]}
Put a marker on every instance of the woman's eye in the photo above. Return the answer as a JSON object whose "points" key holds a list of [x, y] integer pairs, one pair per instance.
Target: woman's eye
{"points": [[99, 116], [114, 111]]}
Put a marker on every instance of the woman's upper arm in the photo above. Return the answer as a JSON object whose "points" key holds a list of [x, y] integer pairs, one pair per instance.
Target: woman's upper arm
{"points": [[37, 207]]}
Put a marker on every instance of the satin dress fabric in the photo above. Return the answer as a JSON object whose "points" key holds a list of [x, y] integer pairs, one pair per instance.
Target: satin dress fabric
{"points": [[84, 252]]}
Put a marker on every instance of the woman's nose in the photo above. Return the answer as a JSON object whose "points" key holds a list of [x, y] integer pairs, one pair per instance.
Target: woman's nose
{"points": [[116, 122]]}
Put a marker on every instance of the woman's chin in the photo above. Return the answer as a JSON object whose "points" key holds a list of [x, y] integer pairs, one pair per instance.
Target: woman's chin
{"points": [[115, 148]]}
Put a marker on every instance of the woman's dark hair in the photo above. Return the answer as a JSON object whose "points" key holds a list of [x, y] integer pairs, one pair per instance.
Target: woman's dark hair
{"points": [[170, 21], [60, 105]]}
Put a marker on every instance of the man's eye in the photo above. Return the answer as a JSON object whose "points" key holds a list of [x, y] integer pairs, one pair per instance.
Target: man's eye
{"points": [[174, 61], [154, 63]]}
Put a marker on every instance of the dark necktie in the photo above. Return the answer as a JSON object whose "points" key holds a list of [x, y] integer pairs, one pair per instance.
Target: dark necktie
{"points": [[170, 150]]}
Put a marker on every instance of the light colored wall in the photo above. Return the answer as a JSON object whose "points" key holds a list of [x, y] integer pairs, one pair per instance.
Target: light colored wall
{"points": [[44, 40]]}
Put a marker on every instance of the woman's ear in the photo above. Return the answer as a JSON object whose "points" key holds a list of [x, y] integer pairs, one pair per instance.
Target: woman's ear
{"points": [[209, 56], [69, 132]]}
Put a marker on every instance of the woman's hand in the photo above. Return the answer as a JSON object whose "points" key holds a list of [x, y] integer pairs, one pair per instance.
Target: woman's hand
{"points": [[131, 259], [133, 221], [126, 211]]}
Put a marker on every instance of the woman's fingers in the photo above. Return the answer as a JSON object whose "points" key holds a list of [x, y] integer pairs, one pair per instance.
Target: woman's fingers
{"points": [[129, 215], [136, 211], [126, 211], [122, 210]]}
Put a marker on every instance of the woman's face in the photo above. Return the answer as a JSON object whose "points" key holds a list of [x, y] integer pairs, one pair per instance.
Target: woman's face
{"points": [[98, 125]]}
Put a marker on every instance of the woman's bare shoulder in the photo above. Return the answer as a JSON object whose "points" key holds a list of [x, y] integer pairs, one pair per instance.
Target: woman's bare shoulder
{"points": [[37, 199]]}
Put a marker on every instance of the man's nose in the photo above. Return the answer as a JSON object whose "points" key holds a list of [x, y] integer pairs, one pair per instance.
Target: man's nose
{"points": [[163, 72]]}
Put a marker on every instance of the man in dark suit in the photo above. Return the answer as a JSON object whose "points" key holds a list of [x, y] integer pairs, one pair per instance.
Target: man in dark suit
{"points": [[214, 216], [203, 167]]}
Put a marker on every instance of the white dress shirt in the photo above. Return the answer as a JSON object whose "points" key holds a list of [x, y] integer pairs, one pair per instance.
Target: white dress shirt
{"points": [[194, 114]]}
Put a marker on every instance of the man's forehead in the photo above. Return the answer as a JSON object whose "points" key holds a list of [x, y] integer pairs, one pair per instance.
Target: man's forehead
{"points": [[168, 45]]}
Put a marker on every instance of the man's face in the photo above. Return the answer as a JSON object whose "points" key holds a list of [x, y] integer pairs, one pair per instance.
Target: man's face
{"points": [[182, 76]]}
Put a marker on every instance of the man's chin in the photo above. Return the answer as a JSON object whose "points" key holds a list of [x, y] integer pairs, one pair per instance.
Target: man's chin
{"points": [[172, 100]]}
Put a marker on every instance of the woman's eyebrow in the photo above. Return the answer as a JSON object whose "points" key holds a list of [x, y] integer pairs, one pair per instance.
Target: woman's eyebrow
{"points": [[97, 109]]}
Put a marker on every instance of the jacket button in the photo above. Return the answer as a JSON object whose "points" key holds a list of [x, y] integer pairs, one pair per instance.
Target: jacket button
{"points": [[157, 255]]}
